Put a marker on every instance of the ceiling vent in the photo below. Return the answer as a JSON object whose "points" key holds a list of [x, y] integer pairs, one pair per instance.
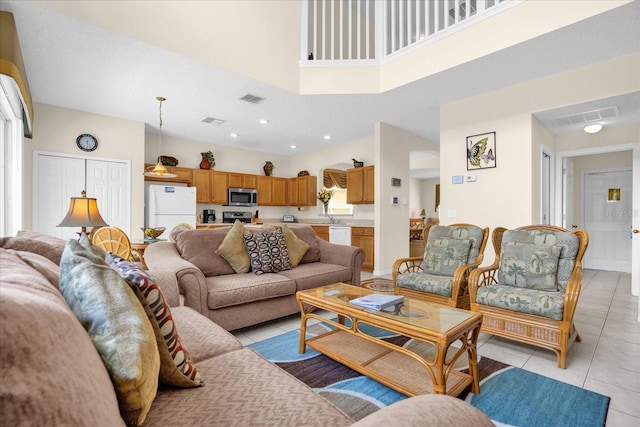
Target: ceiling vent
{"points": [[587, 116], [252, 99], [212, 121]]}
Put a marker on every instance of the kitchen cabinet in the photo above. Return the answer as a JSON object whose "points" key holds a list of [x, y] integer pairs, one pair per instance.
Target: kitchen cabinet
{"points": [[361, 185], [363, 238], [272, 191], [211, 186], [302, 190], [322, 231], [242, 180], [182, 174]]}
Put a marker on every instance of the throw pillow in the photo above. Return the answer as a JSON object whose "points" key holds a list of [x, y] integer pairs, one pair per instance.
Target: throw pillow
{"points": [[529, 266], [443, 256], [176, 367], [296, 247], [233, 249], [267, 252], [117, 324]]}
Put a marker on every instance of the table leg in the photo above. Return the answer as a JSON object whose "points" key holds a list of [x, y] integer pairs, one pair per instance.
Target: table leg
{"points": [[472, 354], [440, 386]]}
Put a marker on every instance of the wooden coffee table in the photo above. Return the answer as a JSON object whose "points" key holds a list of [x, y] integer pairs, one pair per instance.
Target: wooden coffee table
{"points": [[392, 365]]}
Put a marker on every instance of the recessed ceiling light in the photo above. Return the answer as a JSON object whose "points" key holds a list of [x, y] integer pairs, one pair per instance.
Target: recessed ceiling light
{"points": [[263, 121], [327, 137], [234, 135], [293, 146], [593, 128]]}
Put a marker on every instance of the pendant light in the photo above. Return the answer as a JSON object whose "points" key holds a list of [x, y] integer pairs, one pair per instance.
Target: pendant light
{"points": [[159, 171]]}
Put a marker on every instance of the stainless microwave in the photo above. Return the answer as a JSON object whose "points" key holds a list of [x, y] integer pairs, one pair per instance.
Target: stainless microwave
{"points": [[242, 197]]}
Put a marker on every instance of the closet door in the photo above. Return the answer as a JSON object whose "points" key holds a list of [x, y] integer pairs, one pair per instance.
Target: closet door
{"points": [[57, 179], [108, 181]]}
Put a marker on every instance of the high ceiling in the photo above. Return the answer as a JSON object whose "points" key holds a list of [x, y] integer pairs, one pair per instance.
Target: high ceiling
{"points": [[74, 64]]}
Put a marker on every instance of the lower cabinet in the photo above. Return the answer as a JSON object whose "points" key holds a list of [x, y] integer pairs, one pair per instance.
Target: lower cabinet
{"points": [[363, 238], [322, 231]]}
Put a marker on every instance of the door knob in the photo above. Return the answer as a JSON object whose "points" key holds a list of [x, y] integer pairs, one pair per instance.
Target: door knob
{"points": [[635, 231], [574, 226]]}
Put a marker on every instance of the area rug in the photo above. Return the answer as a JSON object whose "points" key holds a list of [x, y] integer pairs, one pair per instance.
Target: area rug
{"points": [[509, 396]]}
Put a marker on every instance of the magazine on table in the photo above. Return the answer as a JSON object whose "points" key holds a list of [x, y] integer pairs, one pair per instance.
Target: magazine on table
{"points": [[377, 301]]}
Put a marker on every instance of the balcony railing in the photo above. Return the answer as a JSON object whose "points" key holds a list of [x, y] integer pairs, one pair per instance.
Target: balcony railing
{"points": [[372, 30]]}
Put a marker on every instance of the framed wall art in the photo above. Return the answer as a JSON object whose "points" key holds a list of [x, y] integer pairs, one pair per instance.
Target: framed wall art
{"points": [[481, 151]]}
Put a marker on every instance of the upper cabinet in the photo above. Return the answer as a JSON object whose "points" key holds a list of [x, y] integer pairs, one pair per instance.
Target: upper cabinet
{"points": [[360, 185], [272, 191], [302, 190], [211, 186], [242, 180]]}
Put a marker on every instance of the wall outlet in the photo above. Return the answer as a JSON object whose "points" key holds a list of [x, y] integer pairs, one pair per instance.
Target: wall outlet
{"points": [[394, 200], [451, 213]]}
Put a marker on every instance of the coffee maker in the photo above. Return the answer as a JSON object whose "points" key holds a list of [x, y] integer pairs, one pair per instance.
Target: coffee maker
{"points": [[208, 216]]}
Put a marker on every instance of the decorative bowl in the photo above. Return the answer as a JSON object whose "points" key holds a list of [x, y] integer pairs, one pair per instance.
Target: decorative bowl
{"points": [[152, 233]]}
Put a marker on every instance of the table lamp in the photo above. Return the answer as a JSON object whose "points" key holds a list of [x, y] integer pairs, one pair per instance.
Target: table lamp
{"points": [[83, 212], [423, 215]]}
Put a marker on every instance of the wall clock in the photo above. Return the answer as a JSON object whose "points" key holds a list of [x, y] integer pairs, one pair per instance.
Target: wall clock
{"points": [[87, 142]]}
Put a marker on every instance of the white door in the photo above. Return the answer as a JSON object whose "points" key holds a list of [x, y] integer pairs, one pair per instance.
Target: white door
{"points": [[58, 177], [607, 221], [108, 181]]}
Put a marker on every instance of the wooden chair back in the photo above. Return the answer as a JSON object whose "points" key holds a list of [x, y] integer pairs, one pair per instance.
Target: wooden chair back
{"points": [[113, 239]]}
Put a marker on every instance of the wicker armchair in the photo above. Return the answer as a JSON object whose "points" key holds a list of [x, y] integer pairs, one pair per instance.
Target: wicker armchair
{"points": [[539, 309], [440, 275]]}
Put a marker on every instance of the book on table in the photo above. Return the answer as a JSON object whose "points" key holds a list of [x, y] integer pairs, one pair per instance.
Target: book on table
{"points": [[377, 301]]}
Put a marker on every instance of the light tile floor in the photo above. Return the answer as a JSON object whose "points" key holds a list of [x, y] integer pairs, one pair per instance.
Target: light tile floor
{"points": [[607, 360]]}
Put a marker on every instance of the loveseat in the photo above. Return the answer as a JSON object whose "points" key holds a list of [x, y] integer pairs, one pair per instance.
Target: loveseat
{"points": [[215, 277], [55, 368]]}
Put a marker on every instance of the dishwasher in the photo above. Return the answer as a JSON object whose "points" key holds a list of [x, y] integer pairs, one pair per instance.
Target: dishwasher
{"points": [[340, 234]]}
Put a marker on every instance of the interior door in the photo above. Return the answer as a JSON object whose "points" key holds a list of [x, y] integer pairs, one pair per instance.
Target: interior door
{"points": [[607, 215], [108, 181]]}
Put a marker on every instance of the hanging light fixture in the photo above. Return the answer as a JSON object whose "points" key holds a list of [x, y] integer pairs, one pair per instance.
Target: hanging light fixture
{"points": [[159, 171]]}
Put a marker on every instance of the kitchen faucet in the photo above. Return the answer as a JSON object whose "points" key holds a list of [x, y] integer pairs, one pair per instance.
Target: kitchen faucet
{"points": [[332, 220]]}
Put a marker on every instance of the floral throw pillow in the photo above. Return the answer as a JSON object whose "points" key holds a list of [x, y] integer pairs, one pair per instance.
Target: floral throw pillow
{"points": [[267, 251], [529, 266], [443, 256], [176, 367]]}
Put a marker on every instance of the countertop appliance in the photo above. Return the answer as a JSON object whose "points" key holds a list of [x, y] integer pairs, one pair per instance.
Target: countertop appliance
{"points": [[208, 216], [288, 218], [229, 217], [242, 197], [340, 234], [168, 206]]}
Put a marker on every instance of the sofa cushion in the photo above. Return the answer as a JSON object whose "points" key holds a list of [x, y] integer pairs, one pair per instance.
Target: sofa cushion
{"points": [[233, 249], [249, 391], [51, 371], [42, 265], [296, 247], [31, 241], [307, 235], [117, 324], [542, 303], [465, 232], [176, 367], [236, 289], [312, 275], [199, 248], [425, 282], [443, 256], [529, 266], [203, 337], [267, 252]]}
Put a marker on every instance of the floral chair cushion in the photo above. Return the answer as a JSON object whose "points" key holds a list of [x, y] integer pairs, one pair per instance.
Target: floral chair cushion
{"points": [[474, 234], [425, 282], [443, 256], [567, 242], [542, 303], [529, 266]]}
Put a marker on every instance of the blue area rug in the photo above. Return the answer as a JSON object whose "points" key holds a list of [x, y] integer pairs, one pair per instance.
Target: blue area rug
{"points": [[509, 396]]}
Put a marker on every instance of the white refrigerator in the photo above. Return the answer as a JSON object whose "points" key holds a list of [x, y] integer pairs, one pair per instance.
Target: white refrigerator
{"points": [[168, 206]]}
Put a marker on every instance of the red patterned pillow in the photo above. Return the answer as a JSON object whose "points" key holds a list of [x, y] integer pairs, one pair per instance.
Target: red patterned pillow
{"points": [[176, 367], [267, 251]]}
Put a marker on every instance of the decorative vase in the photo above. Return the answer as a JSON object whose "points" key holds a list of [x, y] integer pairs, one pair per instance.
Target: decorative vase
{"points": [[325, 208], [204, 163], [268, 168]]}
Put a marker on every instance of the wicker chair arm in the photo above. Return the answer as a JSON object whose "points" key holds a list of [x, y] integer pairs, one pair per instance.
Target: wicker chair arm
{"points": [[571, 294], [406, 265], [481, 276]]}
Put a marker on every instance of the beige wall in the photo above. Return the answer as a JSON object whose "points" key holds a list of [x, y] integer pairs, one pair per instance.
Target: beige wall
{"points": [[504, 196], [56, 130]]}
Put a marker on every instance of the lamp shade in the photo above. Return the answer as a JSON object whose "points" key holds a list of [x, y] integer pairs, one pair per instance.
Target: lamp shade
{"points": [[423, 213], [83, 212]]}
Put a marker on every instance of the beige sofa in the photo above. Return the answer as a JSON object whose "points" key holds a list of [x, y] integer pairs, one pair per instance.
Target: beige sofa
{"points": [[211, 286], [54, 375]]}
